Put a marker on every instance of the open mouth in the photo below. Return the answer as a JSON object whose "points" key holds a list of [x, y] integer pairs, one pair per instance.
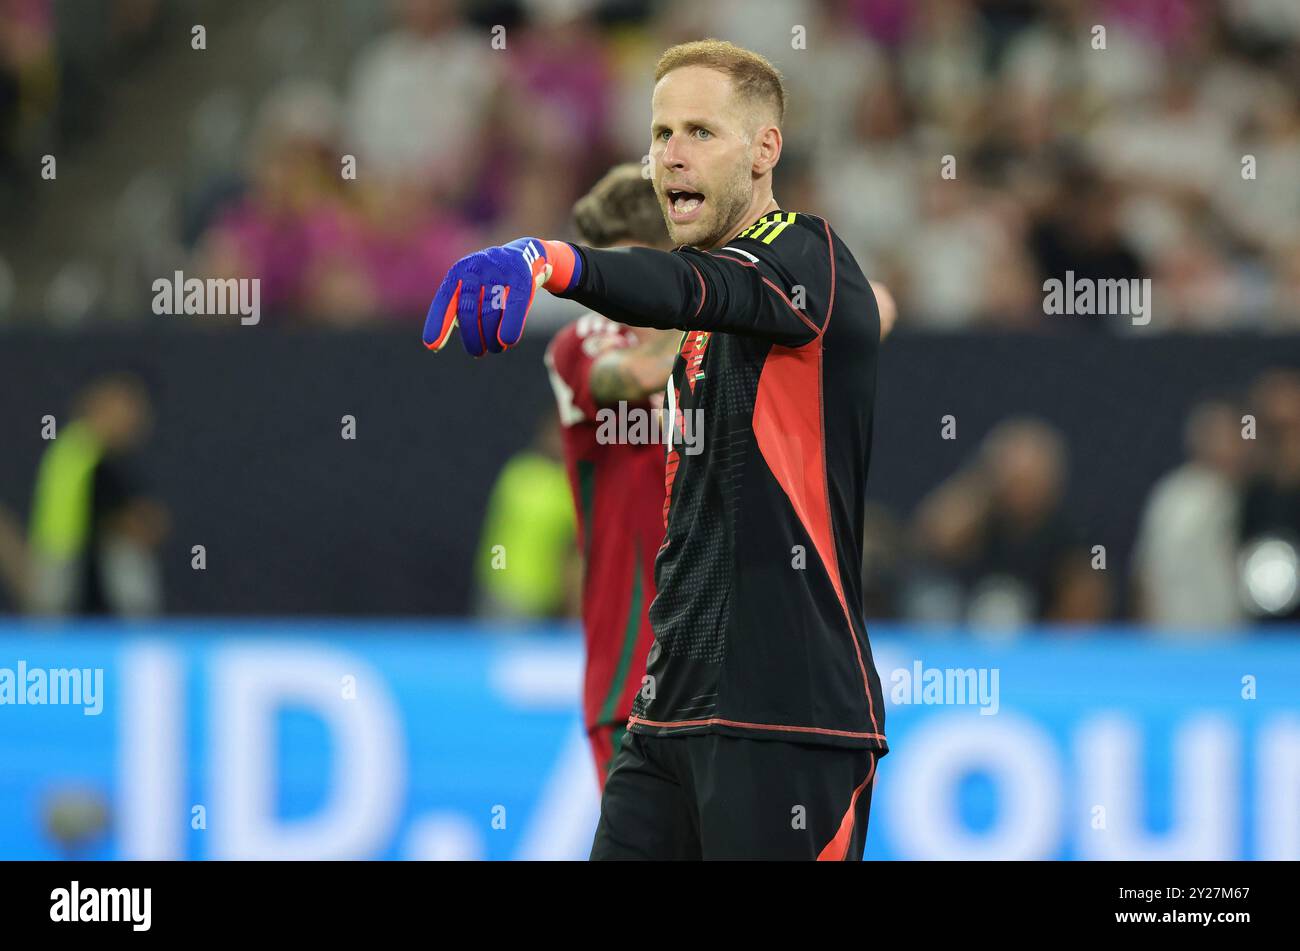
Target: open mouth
{"points": [[684, 206]]}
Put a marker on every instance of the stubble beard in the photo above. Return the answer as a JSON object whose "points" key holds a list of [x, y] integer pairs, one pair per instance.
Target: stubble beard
{"points": [[724, 212]]}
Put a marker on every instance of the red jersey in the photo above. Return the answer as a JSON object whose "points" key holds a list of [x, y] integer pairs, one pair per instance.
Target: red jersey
{"points": [[617, 478]]}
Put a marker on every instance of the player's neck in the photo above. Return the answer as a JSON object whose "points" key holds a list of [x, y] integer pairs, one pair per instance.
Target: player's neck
{"points": [[750, 217]]}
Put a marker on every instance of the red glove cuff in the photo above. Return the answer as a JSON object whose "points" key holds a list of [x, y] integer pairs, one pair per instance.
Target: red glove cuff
{"points": [[563, 259]]}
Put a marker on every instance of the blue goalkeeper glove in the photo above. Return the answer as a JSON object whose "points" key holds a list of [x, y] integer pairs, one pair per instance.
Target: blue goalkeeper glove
{"points": [[490, 292]]}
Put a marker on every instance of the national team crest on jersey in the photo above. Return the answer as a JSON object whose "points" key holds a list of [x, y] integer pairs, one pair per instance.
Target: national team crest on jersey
{"points": [[697, 341]]}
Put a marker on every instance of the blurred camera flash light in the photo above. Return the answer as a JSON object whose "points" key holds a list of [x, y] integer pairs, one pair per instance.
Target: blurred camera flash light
{"points": [[1270, 575]]}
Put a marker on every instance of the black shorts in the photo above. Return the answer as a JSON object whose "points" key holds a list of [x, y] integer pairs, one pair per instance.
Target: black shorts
{"points": [[725, 797]]}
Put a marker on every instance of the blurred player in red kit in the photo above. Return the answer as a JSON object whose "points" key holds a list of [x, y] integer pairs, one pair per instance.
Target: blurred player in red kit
{"points": [[618, 486]]}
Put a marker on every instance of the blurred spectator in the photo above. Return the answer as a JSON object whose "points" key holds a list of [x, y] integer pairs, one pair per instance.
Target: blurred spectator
{"points": [[374, 258], [1270, 512], [293, 199], [1263, 210], [996, 548], [28, 85], [14, 568], [528, 563], [418, 94], [1184, 561], [559, 81], [1080, 233], [1175, 145], [94, 530], [960, 259], [877, 167], [1288, 290]]}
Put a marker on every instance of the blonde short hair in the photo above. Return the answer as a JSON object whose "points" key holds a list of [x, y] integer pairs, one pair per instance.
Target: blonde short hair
{"points": [[754, 78]]}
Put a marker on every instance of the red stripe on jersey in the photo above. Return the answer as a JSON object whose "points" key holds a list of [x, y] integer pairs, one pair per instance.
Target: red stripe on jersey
{"points": [[838, 846], [830, 249], [633, 720], [780, 293], [789, 433], [704, 291]]}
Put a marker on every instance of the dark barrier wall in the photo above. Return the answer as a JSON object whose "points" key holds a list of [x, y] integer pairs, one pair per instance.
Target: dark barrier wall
{"points": [[248, 454]]}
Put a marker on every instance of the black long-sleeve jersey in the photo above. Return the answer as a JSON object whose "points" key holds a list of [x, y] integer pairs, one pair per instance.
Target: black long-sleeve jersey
{"points": [[757, 622]]}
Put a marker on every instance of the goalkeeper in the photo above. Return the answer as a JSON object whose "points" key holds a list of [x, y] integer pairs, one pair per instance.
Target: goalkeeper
{"points": [[760, 722]]}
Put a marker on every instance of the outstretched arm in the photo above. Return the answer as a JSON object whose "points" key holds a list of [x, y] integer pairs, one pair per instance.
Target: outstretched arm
{"points": [[781, 291], [691, 289], [744, 288]]}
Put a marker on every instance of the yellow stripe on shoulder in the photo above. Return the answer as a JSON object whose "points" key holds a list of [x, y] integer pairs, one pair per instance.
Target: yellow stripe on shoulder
{"points": [[762, 224], [781, 226]]}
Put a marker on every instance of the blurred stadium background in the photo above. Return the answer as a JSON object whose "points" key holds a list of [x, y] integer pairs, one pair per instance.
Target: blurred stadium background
{"points": [[1113, 529]]}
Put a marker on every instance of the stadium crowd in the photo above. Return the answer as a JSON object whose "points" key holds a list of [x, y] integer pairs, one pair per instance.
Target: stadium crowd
{"points": [[1173, 153], [1217, 547], [994, 547]]}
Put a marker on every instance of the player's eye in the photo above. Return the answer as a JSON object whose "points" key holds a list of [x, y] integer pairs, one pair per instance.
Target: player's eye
{"points": [[703, 133]]}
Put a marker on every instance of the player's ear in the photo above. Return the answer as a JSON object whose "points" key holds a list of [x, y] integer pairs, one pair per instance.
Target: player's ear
{"points": [[767, 149]]}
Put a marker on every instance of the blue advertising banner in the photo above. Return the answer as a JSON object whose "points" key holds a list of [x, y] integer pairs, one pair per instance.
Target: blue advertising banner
{"points": [[389, 740]]}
